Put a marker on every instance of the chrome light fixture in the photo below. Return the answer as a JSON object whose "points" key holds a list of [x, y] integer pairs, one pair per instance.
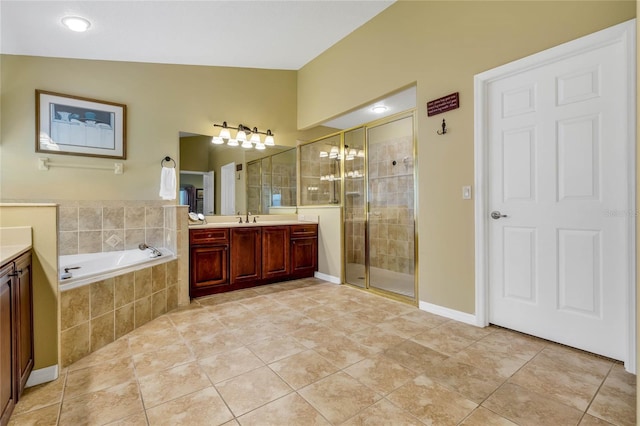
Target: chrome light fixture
{"points": [[241, 138]]}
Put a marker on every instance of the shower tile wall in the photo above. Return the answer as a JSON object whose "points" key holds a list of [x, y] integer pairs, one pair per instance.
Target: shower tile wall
{"points": [[391, 197], [101, 226], [283, 178], [314, 191], [354, 212]]}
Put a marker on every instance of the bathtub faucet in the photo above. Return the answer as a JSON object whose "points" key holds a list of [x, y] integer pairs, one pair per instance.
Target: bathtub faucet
{"points": [[154, 251]]}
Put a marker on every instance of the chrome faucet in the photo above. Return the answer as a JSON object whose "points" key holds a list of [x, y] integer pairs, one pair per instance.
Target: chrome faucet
{"points": [[154, 251], [247, 217]]}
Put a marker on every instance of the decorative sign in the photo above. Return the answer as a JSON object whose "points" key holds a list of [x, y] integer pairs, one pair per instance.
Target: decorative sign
{"points": [[444, 104]]}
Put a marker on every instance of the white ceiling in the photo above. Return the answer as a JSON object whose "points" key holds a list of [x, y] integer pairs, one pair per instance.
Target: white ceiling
{"points": [[255, 34]]}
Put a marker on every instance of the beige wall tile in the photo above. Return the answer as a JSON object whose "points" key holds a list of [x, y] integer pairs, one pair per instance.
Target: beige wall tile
{"points": [[172, 297], [68, 243], [142, 311], [68, 218], [158, 303], [107, 234], [90, 242], [133, 237], [154, 217], [159, 277], [102, 331], [172, 273], [124, 320], [75, 343], [142, 285], [89, 218], [113, 217], [134, 217], [124, 290], [102, 300], [74, 307]]}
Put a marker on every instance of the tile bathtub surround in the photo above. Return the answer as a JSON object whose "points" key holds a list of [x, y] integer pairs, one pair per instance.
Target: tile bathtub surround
{"points": [[269, 355], [97, 226], [95, 315]]}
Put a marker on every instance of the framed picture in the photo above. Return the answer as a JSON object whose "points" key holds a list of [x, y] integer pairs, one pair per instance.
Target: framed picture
{"points": [[199, 193], [73, 125]]}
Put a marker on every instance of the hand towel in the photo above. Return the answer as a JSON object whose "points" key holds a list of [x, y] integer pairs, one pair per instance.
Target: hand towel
{"points": [[168, 183]]}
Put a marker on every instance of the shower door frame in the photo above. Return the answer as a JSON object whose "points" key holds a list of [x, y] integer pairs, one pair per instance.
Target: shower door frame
{"points": [[367, 286]]}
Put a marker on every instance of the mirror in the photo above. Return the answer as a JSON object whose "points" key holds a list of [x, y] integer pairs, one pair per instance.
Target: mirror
{"points": [[204, 166]]}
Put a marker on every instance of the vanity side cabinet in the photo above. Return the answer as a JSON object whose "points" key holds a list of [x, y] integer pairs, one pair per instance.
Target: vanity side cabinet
{"points": [[24, 319], [275, 252], [304, 250], [246, 262], [8, 388], [208, 261]]}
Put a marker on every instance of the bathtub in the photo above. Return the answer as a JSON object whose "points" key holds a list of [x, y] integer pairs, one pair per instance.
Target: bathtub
{"points": [[100, 266]]}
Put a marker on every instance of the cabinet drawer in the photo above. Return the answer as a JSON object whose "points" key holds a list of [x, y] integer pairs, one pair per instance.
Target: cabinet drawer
{"points": [[310, 230], [208, 236]]}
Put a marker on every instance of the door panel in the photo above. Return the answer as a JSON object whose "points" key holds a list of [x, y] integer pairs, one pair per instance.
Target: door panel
{"points": [[557, 155]]}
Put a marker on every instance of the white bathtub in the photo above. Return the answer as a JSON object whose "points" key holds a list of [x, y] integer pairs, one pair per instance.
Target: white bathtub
{"points": [[100, 266]]}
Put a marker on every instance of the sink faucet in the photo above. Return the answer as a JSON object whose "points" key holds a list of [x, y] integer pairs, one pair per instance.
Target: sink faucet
{"points": [[247, 217], [154, 251]]}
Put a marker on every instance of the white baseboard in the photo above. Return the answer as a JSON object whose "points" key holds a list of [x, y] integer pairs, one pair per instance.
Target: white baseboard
{"points": [[42, 375], [329, 278], [449, 313]]}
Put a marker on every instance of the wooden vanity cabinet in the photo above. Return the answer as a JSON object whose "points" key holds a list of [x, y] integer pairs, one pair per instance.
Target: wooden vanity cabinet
{"points": [[246, 252], [16, 332], [209, 261], [304, 250]]}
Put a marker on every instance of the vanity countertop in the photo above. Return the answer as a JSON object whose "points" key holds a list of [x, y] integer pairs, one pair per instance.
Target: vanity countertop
{"points": [[250, 224], [14, 242]]}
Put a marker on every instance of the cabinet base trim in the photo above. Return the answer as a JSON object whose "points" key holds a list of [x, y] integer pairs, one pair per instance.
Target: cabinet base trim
{"points": [[42, 375], [326, 277]]}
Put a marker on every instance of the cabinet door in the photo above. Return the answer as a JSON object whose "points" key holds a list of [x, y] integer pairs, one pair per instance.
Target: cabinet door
{"points": [[275, 252], [209, 268], [245, 255], [24, 318], [304, 256], [7, 349]]}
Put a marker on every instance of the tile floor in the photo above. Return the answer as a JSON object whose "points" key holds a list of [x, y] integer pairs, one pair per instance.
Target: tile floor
{"points": [[312, 353]]}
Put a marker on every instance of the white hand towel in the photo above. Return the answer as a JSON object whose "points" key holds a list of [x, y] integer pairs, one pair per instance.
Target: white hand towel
{"points": [[168, 183]]}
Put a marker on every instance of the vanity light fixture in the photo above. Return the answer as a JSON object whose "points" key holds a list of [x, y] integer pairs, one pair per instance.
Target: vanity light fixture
{"points": [[379, 109], [76, 23], [217, 140], [246, 136]]}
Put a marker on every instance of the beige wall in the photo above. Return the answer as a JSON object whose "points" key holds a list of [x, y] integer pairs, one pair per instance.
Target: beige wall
{"points": [[161, 100], [440, 46], [637, 209], [329, 238], [44, 221]]}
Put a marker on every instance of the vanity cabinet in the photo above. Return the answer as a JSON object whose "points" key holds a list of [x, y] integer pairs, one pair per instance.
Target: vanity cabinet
{"points": [[209, 261], [246, 249], [304, 250], [225, 259], [16, 332]]}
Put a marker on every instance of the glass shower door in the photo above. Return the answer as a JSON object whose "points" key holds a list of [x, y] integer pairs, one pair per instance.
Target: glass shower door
{"points": [[391, 225], [354, 208]]}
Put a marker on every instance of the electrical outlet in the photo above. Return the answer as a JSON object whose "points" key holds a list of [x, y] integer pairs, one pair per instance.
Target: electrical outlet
{"points": [[466, 192]]}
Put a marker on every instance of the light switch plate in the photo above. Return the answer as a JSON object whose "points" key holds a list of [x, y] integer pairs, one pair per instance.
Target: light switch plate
{"points": [[466, 192]]}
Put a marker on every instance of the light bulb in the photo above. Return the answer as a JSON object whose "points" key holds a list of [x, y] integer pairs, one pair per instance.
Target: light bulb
{"points": [[323, 154], [217, 140], [232, 142], [241, 136], [268, 140], [76, 23], [246, 144], [260, 146], [224, 133], [255, 138]]}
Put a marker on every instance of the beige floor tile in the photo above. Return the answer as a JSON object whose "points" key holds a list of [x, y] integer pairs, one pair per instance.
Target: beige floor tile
{"points": [[589, 420], [275, 348], [257, 331], [173, 383], [303, 368], [466, 330], [316, 334], [153, 340], [373, 315], [116, 349], [339, 397], [513, 343], [252, 390], [211, 344], [41, 416], [162, 359], [483, 358], [139, 419], [404, 327], [98, 377], [322, 313], [383, 413], [103, 406], [414, 356], [468, 381], [288, 410], [229, 364], [483, 417], [376, 338], [41, 396], [525, 407], [616, 401], [441, 340], [570, 377], [343, 351], [298, 303], [380, 374], [192, 331], [347, 323], [431, 402], [426, 318], [204, 407]]}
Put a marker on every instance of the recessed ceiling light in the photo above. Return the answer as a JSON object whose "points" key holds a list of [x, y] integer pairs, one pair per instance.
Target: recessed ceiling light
{"points": [[379, 109], [76, 23]]}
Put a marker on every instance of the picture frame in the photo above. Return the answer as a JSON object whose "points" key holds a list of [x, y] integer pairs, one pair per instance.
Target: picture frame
{"points": [[74, 125], [199, 193]]}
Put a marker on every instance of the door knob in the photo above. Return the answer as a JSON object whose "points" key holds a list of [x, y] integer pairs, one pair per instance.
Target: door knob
{"points": [[497, 215]]}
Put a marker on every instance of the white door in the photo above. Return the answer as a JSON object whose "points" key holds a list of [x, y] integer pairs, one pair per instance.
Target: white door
{"points": [[228, 189], [558, 161]]}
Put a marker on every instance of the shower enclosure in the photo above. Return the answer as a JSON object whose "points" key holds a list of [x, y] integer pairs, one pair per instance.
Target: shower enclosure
{"points": [[379, 207]]}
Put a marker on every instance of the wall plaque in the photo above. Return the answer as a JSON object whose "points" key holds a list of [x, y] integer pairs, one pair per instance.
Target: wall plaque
{"points": [[443, 104]]}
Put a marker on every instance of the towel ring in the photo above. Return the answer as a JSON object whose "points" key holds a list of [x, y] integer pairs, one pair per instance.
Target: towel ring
{"points": [[167, 159]]}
